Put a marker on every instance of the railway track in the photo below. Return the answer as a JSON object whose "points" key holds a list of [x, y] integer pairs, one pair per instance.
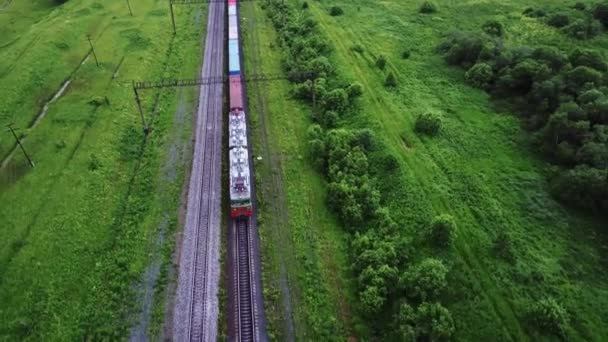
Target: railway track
{"points": [[244, 280], [196, 308]]}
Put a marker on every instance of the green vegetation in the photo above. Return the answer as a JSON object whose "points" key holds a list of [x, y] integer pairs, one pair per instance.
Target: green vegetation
{"points": [[80, 228], [514, 242]]}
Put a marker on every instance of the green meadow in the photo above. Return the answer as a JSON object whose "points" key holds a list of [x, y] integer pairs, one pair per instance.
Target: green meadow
{"points": [[87, 234]]}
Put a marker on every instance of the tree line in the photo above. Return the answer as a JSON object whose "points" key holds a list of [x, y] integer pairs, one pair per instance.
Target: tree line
{"points": [[390, 283], [563, 98]]}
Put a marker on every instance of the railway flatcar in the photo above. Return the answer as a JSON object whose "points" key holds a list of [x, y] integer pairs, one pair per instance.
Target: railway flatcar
{"points": [[240, 186]]}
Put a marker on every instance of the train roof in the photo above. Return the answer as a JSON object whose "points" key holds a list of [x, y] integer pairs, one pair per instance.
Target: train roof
{"points": [[240, 188], [237, 127]]}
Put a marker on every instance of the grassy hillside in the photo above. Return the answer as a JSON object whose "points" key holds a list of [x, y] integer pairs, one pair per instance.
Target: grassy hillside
{"points": [[81, 227], [481, 169]]}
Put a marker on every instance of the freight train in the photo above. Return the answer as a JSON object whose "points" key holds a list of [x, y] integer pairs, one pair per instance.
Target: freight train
{"points": [[240, 180]]}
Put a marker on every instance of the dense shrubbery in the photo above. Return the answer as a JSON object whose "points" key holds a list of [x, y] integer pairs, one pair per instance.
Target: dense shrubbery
{"points": [[567, 105], [380, 251], [442, 230], [558, 20]]}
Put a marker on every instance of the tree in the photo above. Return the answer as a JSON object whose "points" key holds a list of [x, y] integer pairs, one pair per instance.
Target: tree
{"points": [[480, 75], [428, 7], [493, 28], [551, 56], [503, 247], [600, 12], [316, 143], [580, 76], [588, 58], [391, 80], [372, 299], [426, 280], [442, 230], [549, 316], [583, 187], [428, 123], [583, 29], [434, 322], [462, 48], [405, 321]]}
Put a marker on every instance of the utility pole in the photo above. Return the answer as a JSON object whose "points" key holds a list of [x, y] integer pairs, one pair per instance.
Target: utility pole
{"points": [[141, 112], [10, 127], [129, 5], [93, 50], [172, 16]]}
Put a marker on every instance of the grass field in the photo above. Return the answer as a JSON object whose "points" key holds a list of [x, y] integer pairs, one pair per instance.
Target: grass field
{"points": [[306, 289], [481, 169], [87, 235]]}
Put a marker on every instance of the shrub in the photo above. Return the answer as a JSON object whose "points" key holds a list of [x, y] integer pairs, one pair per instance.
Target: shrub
{"points": [[381, 62], [305, 5], [480, 75], [335, 11], [583, 29], [493, 28], [549, 316], [558, 20], [442, 230], [600, 12], [94, 162], [428, 7], [406, 54], [428, 123], [391, 80], [426, 280]]}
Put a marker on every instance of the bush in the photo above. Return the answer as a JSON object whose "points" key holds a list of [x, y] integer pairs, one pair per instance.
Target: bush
{"points": [[600, 12], [558, 20], [428, 123], [426, 280], [428, 7], [583, 29], [493, 28], [381, 62], [391, 80], [442, 230], [549, 316], [406, 54], [503, 247], [480, 75], [305, 5], [335, 11]]}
